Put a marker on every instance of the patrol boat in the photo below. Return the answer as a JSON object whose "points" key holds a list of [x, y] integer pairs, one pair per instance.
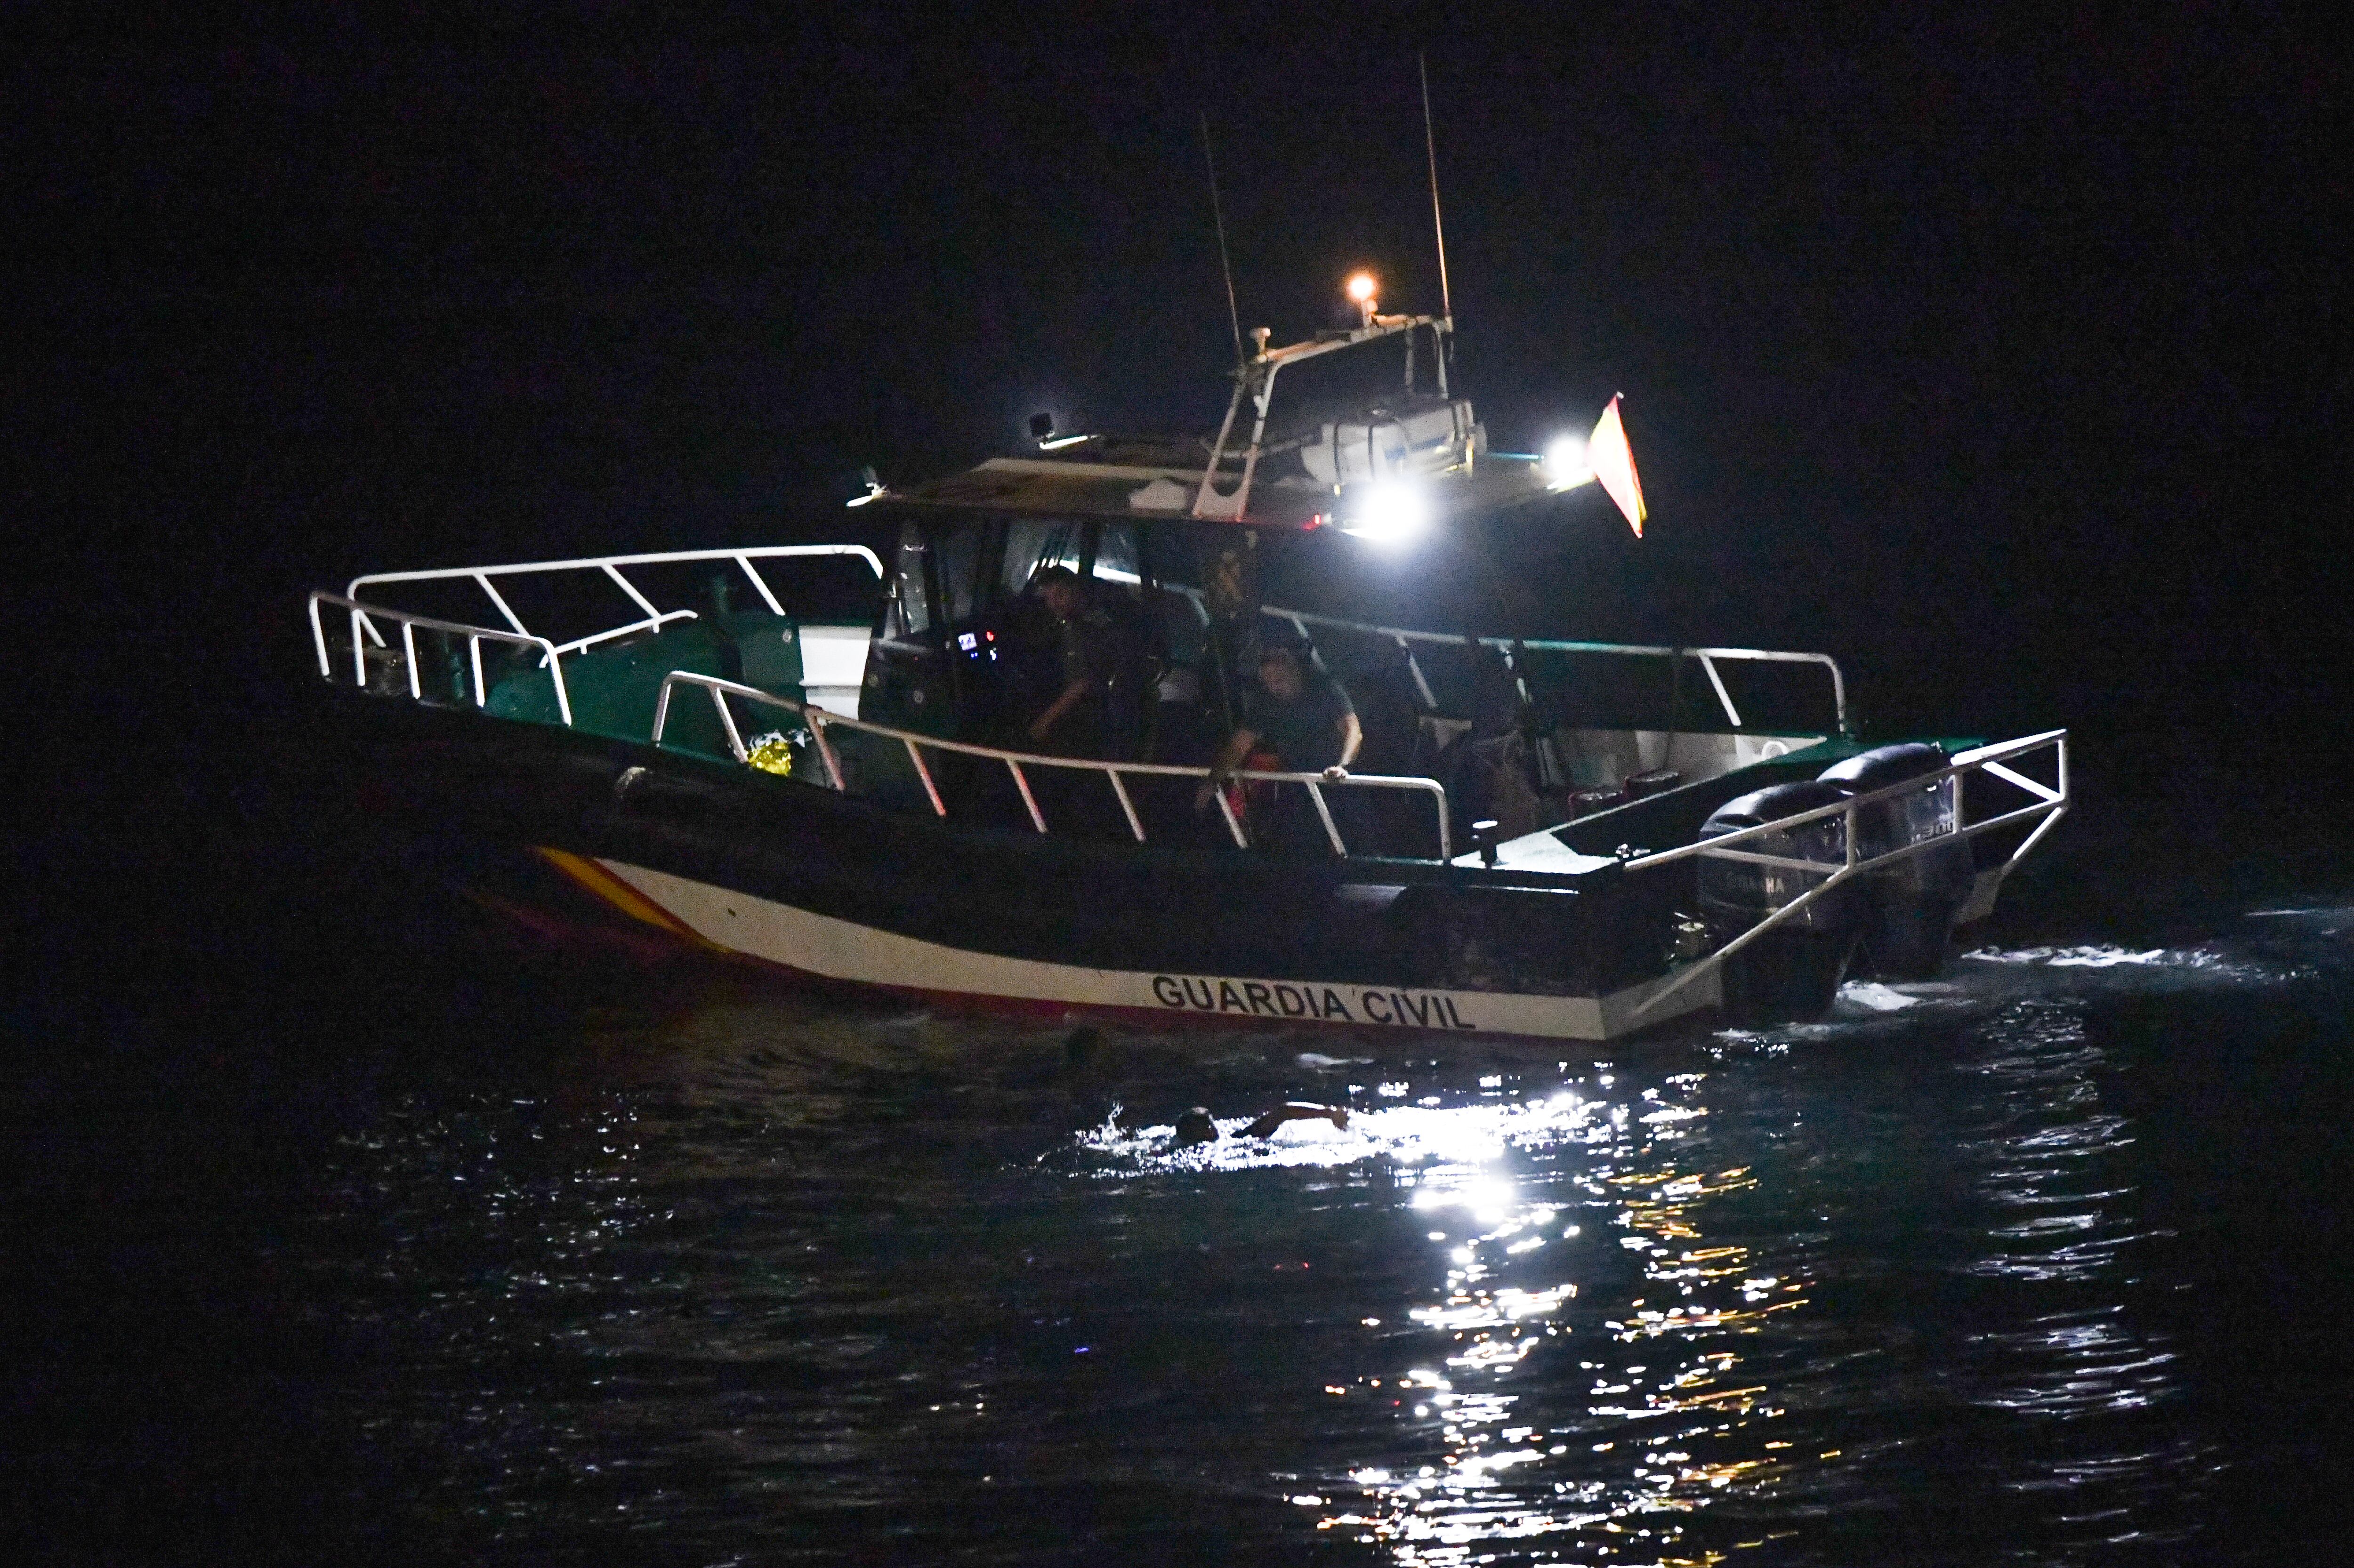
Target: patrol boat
{"points": [[814, 758]]}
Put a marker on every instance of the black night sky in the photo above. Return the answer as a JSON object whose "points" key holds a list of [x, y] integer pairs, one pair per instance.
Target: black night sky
{"points": [[2000, 354], [1999, 350]]}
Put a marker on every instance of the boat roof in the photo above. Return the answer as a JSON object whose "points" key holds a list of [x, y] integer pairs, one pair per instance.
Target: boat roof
{"points": [[1145, 479], [1261, 479]]}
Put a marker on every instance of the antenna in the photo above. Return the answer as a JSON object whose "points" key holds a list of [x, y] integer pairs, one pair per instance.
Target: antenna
{"points": [[1234, 316], [1430, 151]]}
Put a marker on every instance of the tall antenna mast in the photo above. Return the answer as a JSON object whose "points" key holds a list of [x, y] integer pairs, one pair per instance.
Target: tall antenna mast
{"points": [[1438, 224], [1217, 215]]}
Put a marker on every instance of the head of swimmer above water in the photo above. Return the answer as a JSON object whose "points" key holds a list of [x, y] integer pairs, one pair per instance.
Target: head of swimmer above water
{"points": [[1194, 1127]]}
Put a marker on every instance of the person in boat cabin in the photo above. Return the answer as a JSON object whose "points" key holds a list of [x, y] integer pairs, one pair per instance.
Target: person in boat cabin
{"points": [[1295, 711], [1078, 720]]}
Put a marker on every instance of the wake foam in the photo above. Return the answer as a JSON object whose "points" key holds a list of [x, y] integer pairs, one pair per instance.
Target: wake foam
{"points": [[1873, 996], [2293, 945], [2089, 956]]}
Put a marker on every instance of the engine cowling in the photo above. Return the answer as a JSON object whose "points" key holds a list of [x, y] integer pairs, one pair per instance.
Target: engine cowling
{"points": [[1745, 892], [1907, 909], [1794, 970]]}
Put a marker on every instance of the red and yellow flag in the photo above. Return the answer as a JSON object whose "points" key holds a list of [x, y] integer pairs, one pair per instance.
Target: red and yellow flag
{"points": [[1614, 465]]}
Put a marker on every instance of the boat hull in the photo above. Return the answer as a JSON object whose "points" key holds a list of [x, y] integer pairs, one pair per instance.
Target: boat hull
{"points": [[806, 882], [803, 943]]}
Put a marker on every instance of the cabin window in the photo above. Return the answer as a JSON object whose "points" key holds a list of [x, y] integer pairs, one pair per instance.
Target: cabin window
{"points": [[1175, 610], [956, 561], [1116, 559], [1034, 544], [911, 599]]}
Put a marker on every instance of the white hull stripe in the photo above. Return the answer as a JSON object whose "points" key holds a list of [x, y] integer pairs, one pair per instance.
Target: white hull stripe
{"points": [[845, 950]]}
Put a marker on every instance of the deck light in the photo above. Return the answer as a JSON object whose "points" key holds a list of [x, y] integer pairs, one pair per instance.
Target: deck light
{"points": [[1389, 514], [1360, 289]]}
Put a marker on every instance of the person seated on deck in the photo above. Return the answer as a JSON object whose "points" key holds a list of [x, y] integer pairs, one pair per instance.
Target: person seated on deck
{"points": [[1080, 722], [1302, 715]]}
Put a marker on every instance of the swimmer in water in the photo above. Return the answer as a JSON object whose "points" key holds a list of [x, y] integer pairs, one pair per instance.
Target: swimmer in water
{"points": [[1295, 1110], [1195, 1126]]}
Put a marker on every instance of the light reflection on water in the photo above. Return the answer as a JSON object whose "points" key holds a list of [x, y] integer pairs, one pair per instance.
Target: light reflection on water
{"points": [[1592, 1429], [1894, 1279]]}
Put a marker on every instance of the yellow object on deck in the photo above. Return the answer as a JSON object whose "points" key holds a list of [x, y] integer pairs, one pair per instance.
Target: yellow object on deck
{"points": [[771, 753]]}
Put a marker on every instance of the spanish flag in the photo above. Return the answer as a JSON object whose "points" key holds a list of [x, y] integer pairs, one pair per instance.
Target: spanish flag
{"points": [[1614, 465]]}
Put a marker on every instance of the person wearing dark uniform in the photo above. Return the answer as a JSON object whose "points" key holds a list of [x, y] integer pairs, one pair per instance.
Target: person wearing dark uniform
{"points": [[1300, 714], [1074, 723]]}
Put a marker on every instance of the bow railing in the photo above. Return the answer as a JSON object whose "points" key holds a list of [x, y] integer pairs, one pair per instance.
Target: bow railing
{"points": [[650, 616], [409, 625]]}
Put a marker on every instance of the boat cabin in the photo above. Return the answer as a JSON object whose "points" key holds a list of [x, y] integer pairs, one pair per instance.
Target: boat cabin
{"points": [[1189, 554]]}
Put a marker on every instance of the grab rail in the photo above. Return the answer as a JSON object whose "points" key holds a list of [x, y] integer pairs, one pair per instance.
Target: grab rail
{"points": [[651, 623], [2049, 804], [819, 720], [1405, 637], [409, 624]]}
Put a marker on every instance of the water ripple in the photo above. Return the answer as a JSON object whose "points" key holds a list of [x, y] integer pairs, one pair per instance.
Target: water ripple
{"points": [[786, 1280]]}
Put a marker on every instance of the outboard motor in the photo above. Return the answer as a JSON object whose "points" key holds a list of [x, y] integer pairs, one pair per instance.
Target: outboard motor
{"points": [[1794, 970], [1907, 909]]}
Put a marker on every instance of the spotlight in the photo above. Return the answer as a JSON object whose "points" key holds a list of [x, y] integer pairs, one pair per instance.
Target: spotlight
{"points": [[1389, 514], [1567, 462]]}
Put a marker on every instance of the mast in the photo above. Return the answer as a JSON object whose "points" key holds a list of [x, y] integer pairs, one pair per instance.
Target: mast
{"points": [[1225, 266], [1437, 223]]}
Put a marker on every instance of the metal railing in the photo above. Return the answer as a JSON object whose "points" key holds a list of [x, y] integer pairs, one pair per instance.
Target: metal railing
{"points": [[1114, 773], [1405, 638], [2049, 803], [610, 567], [409, 623]]}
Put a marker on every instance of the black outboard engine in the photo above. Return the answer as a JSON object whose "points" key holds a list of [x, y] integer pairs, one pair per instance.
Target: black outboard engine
{"points": [[1794, 970], [1907, 909]]}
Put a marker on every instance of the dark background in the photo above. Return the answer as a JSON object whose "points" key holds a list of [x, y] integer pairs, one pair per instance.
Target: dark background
{"points": [[2000, 352]]}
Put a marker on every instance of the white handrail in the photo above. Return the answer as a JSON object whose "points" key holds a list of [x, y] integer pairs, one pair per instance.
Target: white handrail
{"points": [[1980, 758], [819, 720], [2049, 804], [598, 562], [651, 623], [409, 623], [1404, 636], [608, 566]]}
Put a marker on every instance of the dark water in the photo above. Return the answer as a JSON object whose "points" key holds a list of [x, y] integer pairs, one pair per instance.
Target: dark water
{"points": [[2041, 1262]]}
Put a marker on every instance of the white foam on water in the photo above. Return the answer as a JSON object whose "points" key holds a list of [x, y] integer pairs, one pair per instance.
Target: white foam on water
{"points": [[1993, 977], [1874, 997], [2094, 956], [2203, 964]]}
